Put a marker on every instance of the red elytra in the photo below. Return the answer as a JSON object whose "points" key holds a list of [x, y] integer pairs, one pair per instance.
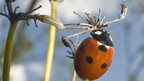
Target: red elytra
{"points": [[92, 59]]}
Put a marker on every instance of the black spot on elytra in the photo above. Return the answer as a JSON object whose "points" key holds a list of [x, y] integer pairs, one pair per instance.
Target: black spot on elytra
{"points": [[89, 59], [104, 65], [102, 48]]}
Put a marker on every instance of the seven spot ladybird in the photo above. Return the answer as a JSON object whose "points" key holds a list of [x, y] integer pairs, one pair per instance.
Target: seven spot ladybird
{"points": [[93, 56]]}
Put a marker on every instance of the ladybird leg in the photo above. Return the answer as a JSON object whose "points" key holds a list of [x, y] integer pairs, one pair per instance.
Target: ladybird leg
{"points": [[70, 45], [71, 54], [76, 42], [75, 46], [124, 9], [65, 42]]}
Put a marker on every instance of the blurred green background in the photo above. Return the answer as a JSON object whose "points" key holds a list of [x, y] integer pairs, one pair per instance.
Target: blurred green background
{"points": [[30, 44]]}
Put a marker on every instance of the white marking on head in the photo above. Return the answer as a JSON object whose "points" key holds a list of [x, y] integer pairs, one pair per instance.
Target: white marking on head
{"points": [[99, 43], [104, 30], [107, 46], [98, 32]]}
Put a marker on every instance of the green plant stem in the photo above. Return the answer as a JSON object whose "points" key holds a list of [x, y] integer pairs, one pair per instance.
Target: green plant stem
{"points": [[51, 42], [8, 51]]}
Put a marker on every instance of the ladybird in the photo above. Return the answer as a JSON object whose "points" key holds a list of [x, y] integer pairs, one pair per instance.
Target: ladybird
{"points": [[94, 55]]}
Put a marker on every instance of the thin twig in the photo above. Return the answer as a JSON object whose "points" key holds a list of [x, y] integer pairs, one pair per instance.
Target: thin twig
{"points": [[80, 16], [4, 15], [5, 9], [9, 7], [73, 75], [34, 10], [77, 34], [122, 15], [16, 9]]}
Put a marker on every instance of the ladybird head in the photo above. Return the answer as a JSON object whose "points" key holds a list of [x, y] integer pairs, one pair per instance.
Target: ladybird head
{"points": [[102, 36]]}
